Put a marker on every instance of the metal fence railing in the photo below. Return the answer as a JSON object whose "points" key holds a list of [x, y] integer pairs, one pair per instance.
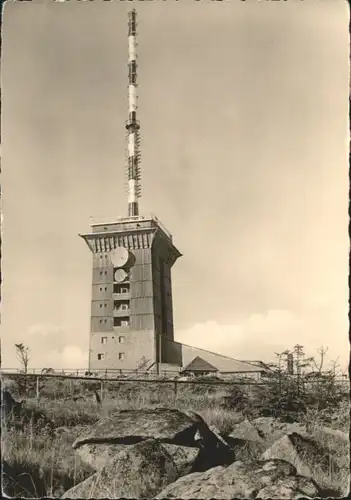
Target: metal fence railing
{"points": [[84, 373]]}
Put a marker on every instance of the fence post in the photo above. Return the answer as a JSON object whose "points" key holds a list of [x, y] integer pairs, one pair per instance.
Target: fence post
{"points": [[101, 390], [175, 388], [37, 386]]}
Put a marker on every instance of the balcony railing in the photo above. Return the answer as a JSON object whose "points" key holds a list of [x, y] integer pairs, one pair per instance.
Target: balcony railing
{"points": [[117, 313], [100, 221]]}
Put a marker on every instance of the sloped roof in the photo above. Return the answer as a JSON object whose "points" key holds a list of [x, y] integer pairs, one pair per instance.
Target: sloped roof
{"points": [[260, 364], [200, 365]]}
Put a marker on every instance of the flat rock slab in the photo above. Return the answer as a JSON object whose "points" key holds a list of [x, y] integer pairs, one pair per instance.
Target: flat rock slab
{"points": [[240, 480], [139, 471], [99, 455], [131, 426]]}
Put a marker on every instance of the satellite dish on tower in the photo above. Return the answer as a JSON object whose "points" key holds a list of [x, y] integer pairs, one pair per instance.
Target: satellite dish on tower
{"points": [[120, 275], [119, 257]]}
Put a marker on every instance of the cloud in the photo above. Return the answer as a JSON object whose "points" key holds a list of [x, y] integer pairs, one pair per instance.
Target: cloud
{"points": [[71, 356], [44, 329], [50, 347], [259, 336]]}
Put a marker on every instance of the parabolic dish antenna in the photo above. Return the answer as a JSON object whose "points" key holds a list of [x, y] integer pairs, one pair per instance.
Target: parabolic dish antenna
{"points": [[119, 257], [120, 275]]}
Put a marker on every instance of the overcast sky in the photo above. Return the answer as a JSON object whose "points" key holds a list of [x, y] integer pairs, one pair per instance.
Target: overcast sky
{"points": [[244, 125]]}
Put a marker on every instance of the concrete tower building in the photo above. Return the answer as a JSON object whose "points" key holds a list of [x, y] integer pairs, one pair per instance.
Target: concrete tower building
{"points": [[131, 306], [131, 323]]}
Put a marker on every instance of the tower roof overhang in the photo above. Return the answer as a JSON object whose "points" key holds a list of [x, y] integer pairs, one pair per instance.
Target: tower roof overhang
{"points": [[125, 227]]}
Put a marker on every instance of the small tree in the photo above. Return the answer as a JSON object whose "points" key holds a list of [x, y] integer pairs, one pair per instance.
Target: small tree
{"points": [[23, 356]]}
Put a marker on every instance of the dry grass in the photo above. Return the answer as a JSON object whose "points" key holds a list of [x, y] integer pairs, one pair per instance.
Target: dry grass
{"points": [[49, 466]]}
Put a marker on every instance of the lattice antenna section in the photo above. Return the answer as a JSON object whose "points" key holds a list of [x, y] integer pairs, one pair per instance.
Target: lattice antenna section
{"points": [[132, 124], [129, 172]]}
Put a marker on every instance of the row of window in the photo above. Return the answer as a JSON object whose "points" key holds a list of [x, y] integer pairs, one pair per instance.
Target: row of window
{"points": [[117, 289], [101, 356], [117, 321], [121, 339], [118, 305]]}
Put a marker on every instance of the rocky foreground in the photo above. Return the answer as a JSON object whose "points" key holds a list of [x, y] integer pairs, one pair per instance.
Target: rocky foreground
{"points": [[166, 453]]}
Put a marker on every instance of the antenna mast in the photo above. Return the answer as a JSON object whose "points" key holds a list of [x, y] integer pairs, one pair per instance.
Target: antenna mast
{"points": [[132, 125]]}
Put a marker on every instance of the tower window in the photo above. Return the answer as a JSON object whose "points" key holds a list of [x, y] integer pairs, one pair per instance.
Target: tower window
{"points": [[103, 340], [100, 356], [120, 305], [100, 288], [121, 339], [121, 321], [105, 305], [100, 306], [105, 273], [105, 288], [121, 356], [100, 320], [118, 288]]}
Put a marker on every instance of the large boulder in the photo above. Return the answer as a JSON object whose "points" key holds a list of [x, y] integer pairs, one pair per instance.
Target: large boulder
{"points": [[308, 457], [185, 458], [241, 480], [132, 426], [245, 430], [100, 455], [246, 450], [102, 442], [137, 471], [289, 488], [270, 428]]}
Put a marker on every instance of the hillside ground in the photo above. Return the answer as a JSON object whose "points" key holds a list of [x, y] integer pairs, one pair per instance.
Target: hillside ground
{"points": [[48, 466]]}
